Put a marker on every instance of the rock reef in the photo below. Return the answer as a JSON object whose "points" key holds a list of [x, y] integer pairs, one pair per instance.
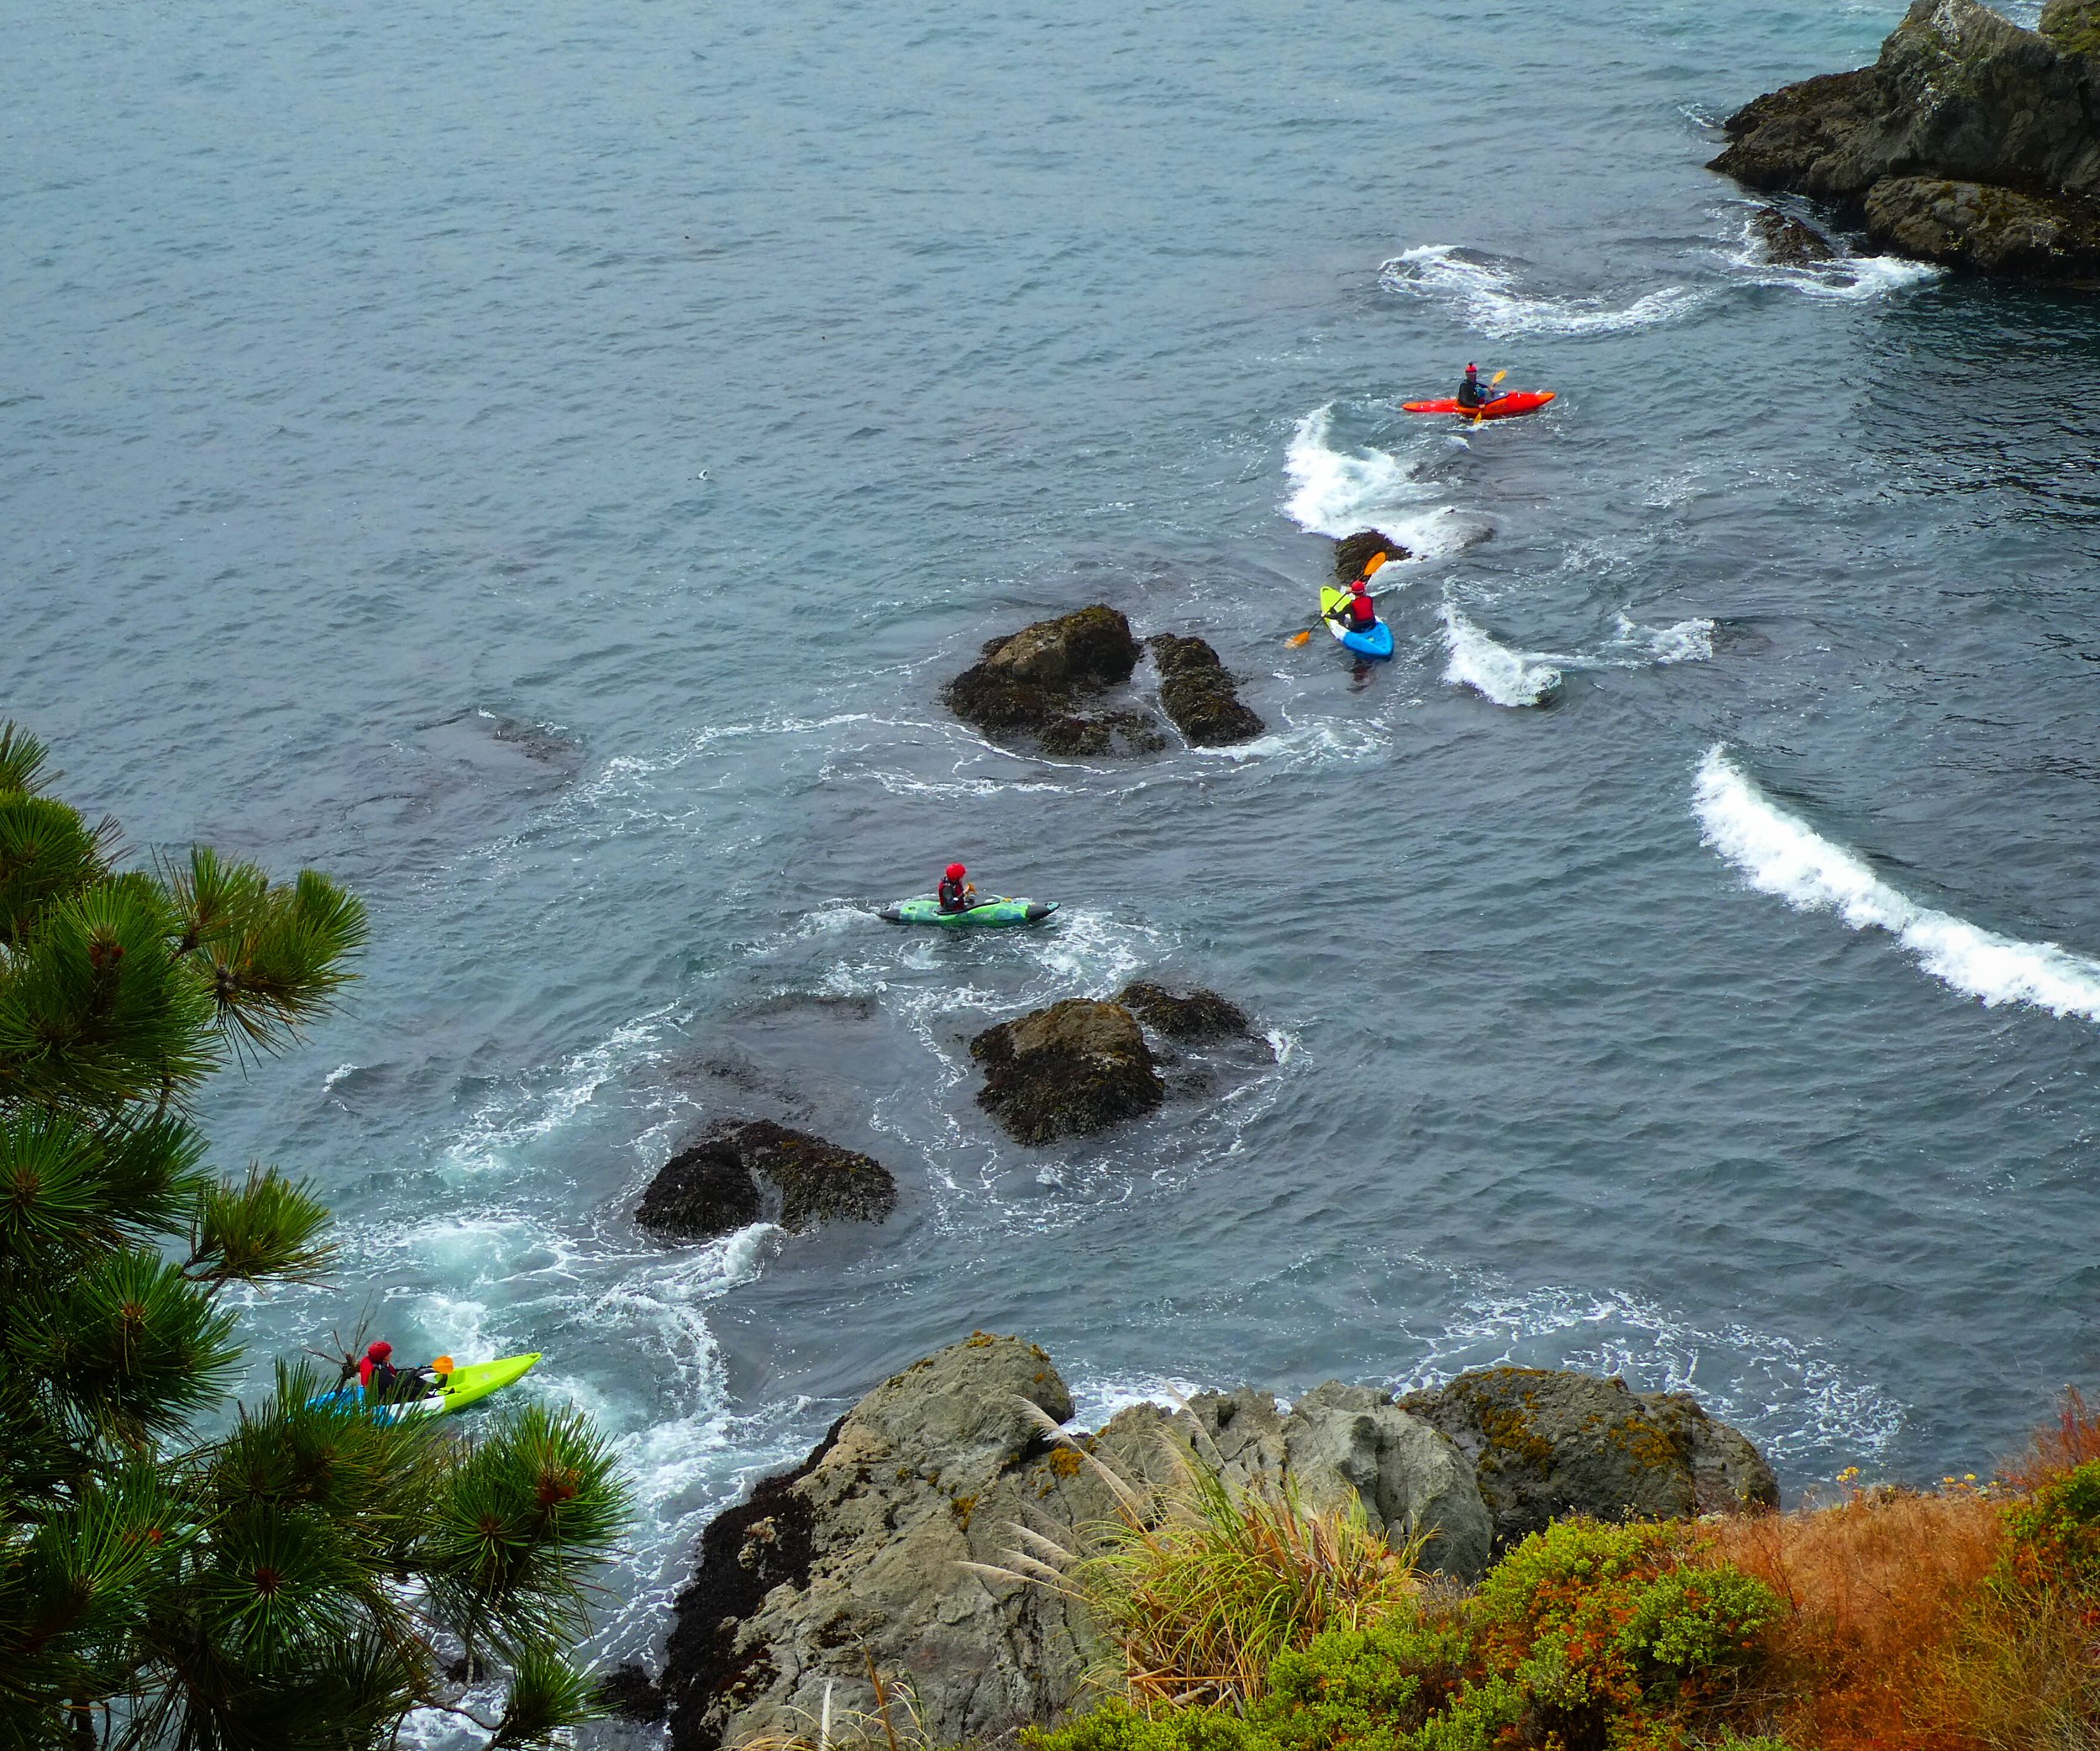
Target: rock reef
{"points": [[1078, 1066], [761, 1171], [1972, 141], [1352, 552], [1047, 683], [859, 1553], [1191, 1016], [1200, 694]]}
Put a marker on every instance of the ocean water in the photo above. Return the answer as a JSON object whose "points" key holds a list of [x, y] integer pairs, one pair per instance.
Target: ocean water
{"points": [[541, 467]]}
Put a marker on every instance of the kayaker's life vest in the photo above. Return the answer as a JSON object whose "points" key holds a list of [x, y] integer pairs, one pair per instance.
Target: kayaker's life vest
{"points": [[377, 1378], [953, 895], [1364, 614], [1470, 395]]}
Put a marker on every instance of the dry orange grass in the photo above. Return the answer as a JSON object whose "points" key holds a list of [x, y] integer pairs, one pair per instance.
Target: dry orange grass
{"points": [[1877, 1587]]}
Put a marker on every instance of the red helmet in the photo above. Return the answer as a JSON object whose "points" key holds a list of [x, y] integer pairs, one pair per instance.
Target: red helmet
{"points": [[1471, 370], [382, 1349], [956, 872], [1357, 586]]}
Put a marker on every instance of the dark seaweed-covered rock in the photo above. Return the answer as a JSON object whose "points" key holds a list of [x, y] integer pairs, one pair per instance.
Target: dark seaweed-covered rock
{"points": [[630, 1694], [1352, 552], [1040, 681], [1787, 242], [1546, 1443], [744, 1173], [1077, 1066], [1190, 1016], [1198, 692], [1970, 141]]}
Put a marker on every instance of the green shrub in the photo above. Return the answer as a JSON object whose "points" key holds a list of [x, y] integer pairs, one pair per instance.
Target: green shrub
{"points": [[2053, 1537], [1586, 1638]]}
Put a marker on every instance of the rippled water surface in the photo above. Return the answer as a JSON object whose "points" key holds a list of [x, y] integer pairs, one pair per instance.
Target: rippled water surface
{"points": [[540, 466]]}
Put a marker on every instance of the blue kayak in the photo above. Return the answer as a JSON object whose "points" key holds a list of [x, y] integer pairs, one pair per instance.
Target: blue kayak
{"points": [[1377, 643]]}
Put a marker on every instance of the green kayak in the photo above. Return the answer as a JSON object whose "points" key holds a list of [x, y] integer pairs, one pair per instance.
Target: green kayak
{"points": [[462, 1386], [986, 914], [473, 1383]]}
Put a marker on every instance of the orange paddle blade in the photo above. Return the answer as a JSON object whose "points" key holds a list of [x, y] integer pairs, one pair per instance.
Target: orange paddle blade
{"points": [[1300, 638], [1371, 568]]}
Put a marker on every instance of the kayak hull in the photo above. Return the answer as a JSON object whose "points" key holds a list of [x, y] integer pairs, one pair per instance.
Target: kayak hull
{"points": [[1502, 406], [462, 1386], [1376, 644], [996, 914]]}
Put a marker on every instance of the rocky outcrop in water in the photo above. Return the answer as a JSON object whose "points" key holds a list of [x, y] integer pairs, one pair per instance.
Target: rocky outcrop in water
{"points": [[1198, 692], [1546, 1444], [1195, 1016], [858, 1555], [1352, 552], [763, 1172], [1788, 243], [1078, 1066], [1047, 683], [1971, 142]]}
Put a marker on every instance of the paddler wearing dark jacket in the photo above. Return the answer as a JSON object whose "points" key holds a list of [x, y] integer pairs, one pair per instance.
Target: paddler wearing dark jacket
{"points": [[955, 893], [1470, 393]]}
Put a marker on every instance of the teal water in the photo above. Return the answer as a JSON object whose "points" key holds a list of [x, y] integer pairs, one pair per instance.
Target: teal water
{"points": [[413, 429]]}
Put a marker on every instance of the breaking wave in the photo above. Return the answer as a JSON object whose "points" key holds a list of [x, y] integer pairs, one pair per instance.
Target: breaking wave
{"points": [[1851, 278], [1494, 671], [1780, 853], [1487, 294]]}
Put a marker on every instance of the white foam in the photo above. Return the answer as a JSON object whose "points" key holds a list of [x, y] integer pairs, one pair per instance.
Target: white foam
{"points": [[1095, 1402], [1851, 279], [1682, 641], [1780, 853], [1494, 671], [1488, 298], [1337, 492], [1790, 1397], [518, 1116]]}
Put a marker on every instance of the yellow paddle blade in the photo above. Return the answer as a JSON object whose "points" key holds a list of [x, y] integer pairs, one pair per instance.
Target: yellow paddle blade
{"points": [[1300, 638], [1371, 569], [1497, 378]]}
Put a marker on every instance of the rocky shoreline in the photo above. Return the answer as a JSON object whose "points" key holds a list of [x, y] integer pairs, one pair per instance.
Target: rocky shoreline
{"points": [[1971, 142], [859, 1559]]}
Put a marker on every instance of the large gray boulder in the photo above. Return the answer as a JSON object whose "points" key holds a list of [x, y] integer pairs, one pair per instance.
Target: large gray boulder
{"points": [[858, 1555], [865, 1552], [1546, 1444], [1963, 98]]}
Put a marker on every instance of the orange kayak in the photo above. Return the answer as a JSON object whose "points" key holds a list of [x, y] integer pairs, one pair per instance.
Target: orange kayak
{"points": [[1502, 406]]}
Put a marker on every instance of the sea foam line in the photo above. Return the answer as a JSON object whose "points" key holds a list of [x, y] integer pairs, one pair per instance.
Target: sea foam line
{"points": [[1487, 296], [1780, 853]]}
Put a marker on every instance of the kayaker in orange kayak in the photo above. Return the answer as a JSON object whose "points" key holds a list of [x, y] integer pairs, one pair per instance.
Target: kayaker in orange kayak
{"points": [[1471, 395]]}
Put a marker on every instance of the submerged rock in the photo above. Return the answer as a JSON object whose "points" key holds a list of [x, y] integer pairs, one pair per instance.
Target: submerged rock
{"points": [[1198, 693], [1192, 1016], [864, 1553], [752, 1172], [628, 1693], [1038, 681], [1076, 1067], [1546, 1444], [1970, 141], [1352, 552], [1787, 242]]}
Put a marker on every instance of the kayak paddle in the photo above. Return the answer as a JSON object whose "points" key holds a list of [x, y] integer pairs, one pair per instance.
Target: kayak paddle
{"points": [[1492, 381]]}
